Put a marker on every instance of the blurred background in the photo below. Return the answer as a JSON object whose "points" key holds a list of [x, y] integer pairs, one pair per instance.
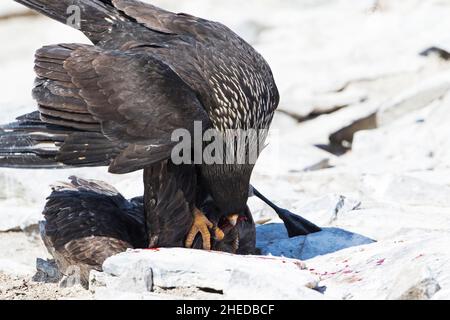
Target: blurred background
{"points": [[363, 119]]}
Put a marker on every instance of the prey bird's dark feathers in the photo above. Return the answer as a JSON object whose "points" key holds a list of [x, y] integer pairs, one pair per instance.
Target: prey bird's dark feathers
{"points": [[87, 221]]}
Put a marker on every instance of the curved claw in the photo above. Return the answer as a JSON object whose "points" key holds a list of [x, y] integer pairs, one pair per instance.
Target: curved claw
{"points": [[218, 234], [201, 225]]}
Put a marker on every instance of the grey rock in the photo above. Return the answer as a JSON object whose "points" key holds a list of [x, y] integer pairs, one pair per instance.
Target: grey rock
{"points": [[47, 271], [344, 137]]}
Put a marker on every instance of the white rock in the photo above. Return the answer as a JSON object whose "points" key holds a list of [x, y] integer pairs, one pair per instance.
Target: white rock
{"points": [[383, 221], [322, 103], [221, 275], [137, 280], [319, 130], [9, 8], [416, 282], [387, 202], [327, 209], [403, 189], [415, 142], [414, 98], [12, 267], [17, 218], [280, 157], [413, 265]]}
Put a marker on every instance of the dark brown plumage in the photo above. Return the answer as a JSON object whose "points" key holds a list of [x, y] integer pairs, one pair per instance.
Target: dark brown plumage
{"points": [[118, 101], [149, 73]]}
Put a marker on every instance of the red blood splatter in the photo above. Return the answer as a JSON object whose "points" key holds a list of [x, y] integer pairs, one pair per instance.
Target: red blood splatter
{"points": [[242, 218], [380, 262], [153, 249], [312, 269], [345, 261], [347, 271], [419, 256]]}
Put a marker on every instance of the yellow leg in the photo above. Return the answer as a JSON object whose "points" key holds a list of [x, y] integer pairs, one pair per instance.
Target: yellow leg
{"points": [[202, 224]]}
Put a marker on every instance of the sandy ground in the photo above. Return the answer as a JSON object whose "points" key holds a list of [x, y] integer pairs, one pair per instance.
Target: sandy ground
{"points": [[25, 248], [24, 288]]}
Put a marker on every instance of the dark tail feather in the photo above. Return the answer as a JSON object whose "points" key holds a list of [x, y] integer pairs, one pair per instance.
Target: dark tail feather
{"points": [[295, 224], [30, 143]]}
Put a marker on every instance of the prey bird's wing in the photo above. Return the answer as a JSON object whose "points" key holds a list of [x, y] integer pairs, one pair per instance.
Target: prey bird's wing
{"points": [[87, 221], [85, 208]]}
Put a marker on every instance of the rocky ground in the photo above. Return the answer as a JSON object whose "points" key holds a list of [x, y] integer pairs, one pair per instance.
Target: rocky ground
{"points": [[360, 146]]}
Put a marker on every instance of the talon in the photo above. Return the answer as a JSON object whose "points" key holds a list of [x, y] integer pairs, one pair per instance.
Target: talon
{"points": [[201, 224], [218, 234]]}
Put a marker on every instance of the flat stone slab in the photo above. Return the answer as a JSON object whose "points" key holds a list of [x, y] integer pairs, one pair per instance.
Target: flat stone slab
{"points": [[189, 274], [413, 265]]}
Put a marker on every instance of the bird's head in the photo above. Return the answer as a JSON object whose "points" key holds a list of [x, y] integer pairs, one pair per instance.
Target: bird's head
{"points": [[230, 192], [228, 209], [238, 234]]}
